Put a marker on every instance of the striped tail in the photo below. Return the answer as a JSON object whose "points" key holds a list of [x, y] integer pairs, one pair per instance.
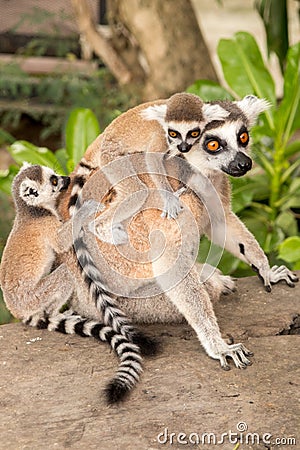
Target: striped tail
{"points": [[130, 367], [106, 303]]}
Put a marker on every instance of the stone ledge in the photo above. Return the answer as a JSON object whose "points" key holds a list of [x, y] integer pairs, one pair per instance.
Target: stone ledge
{"points": [[51, 384]]}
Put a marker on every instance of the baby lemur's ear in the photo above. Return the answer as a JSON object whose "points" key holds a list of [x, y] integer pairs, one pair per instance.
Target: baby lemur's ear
{"points": [[214, 112], [29, 191], [252, 106], [156, 112]]}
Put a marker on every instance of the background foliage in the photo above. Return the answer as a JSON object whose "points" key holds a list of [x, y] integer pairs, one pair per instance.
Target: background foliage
{"points": [[268, 199]]}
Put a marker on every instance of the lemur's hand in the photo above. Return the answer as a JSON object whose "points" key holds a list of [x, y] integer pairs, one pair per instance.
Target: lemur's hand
{"points": [[275, 274], [172, 206]]}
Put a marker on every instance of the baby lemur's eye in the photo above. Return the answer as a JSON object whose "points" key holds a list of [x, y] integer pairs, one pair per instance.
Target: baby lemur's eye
{"points": [[213, 146], [194, 133], [172, 133], [244, 138], [54, 180]]}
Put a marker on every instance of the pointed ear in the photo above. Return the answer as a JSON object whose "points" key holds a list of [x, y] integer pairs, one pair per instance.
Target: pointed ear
{"points": [[214, 112], [156, 112], [29, 191], [252, 106]]}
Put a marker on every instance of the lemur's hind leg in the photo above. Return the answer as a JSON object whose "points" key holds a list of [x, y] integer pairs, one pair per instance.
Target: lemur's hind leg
{"points": [[215, 282], [49, 294]]}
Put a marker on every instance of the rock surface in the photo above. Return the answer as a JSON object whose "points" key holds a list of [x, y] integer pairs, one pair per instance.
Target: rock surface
{"points": [[51, 385]]}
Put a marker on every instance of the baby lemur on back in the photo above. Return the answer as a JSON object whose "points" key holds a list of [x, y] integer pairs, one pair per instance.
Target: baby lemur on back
{"points": [[220, 149], [35, 290], [117, 142]]}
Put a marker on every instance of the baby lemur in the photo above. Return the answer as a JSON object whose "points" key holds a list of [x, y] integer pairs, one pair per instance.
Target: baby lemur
{"points": [[35, 289], [220, 149], [111, 145]]}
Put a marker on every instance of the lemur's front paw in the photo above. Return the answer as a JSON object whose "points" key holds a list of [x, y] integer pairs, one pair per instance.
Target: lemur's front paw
{"points": [[172, 206], [239, 353], [282, 273], [115, 235], [275, 274]]}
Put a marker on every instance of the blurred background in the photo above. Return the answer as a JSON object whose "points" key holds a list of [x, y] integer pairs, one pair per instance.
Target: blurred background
{"points": [[109, 55]]}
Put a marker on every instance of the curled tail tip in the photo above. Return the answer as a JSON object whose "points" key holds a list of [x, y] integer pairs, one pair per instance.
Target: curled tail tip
{"points": [[116, 392], [148, 345]]}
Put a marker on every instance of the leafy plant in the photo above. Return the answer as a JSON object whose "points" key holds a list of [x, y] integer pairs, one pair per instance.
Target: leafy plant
{"points": [[49, 99], [275, 19], [81, 129], [268, 200]]}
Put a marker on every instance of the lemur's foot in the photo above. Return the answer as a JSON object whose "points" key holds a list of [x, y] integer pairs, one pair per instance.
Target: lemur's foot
{"points": [[115, 235], [239, 353], [172, 206], [275, 274], [215, 281], [228, 284]]}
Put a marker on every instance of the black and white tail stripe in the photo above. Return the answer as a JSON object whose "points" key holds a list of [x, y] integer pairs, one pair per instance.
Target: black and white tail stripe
{"points": [[129, 353], [82, 174], [105, 302]]}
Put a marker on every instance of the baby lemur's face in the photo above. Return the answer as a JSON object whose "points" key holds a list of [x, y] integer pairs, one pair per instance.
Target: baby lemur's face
{"points": [[39, 186], [182, 136]]}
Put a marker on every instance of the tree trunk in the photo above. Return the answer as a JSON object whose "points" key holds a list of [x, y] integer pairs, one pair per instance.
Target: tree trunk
{"points": [[158, 41]]}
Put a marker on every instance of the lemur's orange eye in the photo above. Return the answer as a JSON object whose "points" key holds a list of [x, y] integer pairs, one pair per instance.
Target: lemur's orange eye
{"points": [[244, 137], [173, 133], [213, 146], [195, 134]]}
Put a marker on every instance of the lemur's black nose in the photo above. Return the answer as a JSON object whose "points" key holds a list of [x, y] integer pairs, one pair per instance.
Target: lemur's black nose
{"points": [[184, 147], [244, 163], [239, 165]]}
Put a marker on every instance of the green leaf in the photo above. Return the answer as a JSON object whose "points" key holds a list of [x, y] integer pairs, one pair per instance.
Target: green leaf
{"points": [[23, 151], [289, 171], [293, 201], [244, 69], [287, 222], [6, 137], [62, 158], [258, 227], [263, 161], [287, 119], [81, 130], [292, 149], [209, 90], [6, 178], [289, 250], [242, 193], [274, 15]]}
